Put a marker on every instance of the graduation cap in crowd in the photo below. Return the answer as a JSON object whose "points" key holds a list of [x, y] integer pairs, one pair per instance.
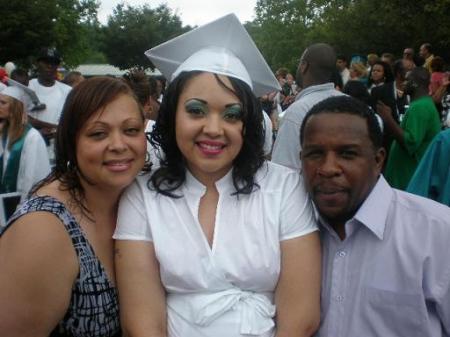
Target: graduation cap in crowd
{"points": [[222, 47], [14, 92], [37, 105]]}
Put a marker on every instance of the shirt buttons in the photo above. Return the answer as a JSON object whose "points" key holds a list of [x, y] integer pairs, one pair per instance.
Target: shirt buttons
{"points": [[342, 253], [339, 298]]}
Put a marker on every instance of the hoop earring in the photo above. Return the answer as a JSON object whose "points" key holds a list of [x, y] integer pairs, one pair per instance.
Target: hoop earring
{"points": [[71, 167]]}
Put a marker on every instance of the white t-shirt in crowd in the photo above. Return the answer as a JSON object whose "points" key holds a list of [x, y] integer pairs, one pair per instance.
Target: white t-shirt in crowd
{"points": [[225, 290], [53, 97]]}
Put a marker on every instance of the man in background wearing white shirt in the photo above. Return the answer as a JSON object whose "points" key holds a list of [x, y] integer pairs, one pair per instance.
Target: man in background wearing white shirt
{"points": [[313, 75], [50, 92]]}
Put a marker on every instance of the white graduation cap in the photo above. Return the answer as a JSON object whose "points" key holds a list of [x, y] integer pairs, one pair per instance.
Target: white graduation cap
{"points": [[34, 98], [222, 47], [14, 92]]}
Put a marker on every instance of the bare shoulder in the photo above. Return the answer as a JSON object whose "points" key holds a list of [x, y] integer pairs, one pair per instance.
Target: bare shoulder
{"points": [[34, 238], [39, 267]]}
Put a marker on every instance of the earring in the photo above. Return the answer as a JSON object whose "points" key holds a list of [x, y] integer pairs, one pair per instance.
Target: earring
{"points": [[70, 166]]}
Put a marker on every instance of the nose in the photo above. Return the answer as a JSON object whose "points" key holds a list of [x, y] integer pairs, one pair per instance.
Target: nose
{"points": [[117, 142], [213, 125], [330, 166]]}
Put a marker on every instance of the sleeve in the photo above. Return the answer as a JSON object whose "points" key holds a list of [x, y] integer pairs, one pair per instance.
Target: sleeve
{"points": [[286, 150], [443, 307], [297, 214], [132, 221], [34, 162], [436, 271], [431, 172], [415, 128], [267, 134]]}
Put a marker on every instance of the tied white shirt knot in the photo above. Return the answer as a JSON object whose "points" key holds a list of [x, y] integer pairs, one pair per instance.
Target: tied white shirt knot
{"points": [[256, 310]]}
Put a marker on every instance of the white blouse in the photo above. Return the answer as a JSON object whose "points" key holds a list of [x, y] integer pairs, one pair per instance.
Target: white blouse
{"points": [[227, 289]]}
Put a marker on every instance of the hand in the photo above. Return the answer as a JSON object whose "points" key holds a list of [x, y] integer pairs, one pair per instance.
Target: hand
{"points": [[48, 133], [384, 110]]}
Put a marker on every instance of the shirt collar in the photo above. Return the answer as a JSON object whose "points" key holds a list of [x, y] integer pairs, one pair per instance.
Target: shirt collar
{"points": [[374, 210], [193, 186], [314, 88]]}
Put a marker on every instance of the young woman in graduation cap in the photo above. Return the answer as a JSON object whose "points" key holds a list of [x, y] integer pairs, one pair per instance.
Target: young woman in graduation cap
{"points": [[24, 158], [216, 242]]}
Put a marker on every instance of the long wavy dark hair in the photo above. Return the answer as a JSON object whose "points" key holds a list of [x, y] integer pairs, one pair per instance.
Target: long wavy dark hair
{"points": [[172, 171], [83, 101]]}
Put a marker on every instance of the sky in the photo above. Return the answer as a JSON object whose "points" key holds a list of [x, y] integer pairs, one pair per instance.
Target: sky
{"points": [[191, 12]]}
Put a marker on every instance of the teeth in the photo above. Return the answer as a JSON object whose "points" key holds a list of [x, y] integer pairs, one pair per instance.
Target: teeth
{"points": [[210, 147]]}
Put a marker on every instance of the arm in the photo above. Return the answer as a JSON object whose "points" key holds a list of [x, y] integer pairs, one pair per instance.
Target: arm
{"points": [[47, 130], [439, 93], [141, 294], [385, 113], [297, 295], [35, 283]]}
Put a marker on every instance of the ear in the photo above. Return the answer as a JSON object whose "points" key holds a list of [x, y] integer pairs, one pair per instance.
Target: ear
{"points": [[304, 67]]}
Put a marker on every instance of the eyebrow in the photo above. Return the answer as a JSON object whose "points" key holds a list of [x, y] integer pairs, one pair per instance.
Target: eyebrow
{"points": [[195, 99], [206, 103]]}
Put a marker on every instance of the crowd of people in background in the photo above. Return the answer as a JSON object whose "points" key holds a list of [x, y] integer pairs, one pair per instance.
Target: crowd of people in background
{"points": [[379, 81], [219, 154]]}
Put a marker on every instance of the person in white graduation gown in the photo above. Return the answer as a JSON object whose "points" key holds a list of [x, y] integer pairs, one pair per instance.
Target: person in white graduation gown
{"points": [[216, 241], [23, 154]]}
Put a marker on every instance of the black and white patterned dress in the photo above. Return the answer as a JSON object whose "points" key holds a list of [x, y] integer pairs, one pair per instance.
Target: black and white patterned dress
{"points": [[93, 310]]}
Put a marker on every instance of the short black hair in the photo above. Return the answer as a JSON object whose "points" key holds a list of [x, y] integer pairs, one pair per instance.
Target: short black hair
{"points": [[428, 47], [347, 105], [172, 172], [399, 68], [342, 57], [358, 89]]}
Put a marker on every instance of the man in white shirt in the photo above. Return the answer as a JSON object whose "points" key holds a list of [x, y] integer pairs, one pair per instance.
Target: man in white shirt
{"points": [[342, 66], [50, 92], [313, 75]]}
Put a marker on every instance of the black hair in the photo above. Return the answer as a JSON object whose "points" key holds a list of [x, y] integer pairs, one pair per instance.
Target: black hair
{"points": [[347, 105], [172, 172], [342, 57], [336, 79], [428, 47], [358, 90], [387, 70], [139, 83], [420, 76], [399, 68], [20, 75]]}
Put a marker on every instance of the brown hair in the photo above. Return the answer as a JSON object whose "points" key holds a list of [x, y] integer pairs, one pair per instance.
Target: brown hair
{"points": [[83, 101], [139, 83]]}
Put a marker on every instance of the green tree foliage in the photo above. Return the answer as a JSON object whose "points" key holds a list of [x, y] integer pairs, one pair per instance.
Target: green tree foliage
{"points": [[133, 30], [283, 28], [278, 30], [27, 26]]}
